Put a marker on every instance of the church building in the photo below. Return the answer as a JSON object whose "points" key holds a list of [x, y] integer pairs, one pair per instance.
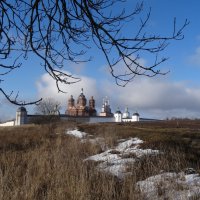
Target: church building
{"points": [[80, 108], [79, 111], [126, 117], [106, 110]]}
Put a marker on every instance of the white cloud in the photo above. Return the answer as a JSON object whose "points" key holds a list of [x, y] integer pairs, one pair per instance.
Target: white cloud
{"points": [[195, 58], [46, 87], [158, 98]]}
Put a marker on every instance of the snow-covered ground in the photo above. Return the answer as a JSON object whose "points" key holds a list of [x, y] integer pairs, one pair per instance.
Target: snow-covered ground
{"points": [[115, 160], [172, 186], [76, 133], [179, 186]]}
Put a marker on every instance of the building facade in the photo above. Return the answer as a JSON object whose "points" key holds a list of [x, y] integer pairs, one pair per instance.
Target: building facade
{"points": [[80, 108], [105, 109], [21, 116], [79, 111], [125, 117]]}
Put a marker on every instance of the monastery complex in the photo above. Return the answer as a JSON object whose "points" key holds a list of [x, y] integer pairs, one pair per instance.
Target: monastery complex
{"points": [[79, 111]]}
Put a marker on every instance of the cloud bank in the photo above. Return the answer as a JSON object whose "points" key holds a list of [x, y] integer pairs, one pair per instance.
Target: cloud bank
{"points": [[46, 88], [157, 98]]}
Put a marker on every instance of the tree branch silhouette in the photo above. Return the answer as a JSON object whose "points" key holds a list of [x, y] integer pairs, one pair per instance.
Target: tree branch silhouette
{"points": [[62, 30]]}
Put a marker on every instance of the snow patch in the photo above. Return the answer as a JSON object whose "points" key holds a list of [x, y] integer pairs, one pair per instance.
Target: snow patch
{"points": [[170, 186], [115, 160], [76, 133], [128, 143]]}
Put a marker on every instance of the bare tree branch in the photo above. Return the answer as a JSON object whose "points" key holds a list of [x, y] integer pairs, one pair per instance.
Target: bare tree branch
{"points": [[16, 101], [62, 30]]}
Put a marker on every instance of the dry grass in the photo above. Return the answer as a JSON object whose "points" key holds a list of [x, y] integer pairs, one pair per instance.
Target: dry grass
{"points": [[41, 162], [182, 134]]}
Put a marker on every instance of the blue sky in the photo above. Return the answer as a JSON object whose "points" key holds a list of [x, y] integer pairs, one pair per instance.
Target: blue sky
{"points": [[175, 95]]}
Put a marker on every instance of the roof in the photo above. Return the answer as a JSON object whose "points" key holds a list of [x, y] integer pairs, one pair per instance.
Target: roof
{"points": [[82, 95], [136, 114], [118, 112], [21, 109]]}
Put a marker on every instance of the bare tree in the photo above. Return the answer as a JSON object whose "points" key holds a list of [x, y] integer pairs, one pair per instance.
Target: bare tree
{"points": [[48, 106], [60, 30]]}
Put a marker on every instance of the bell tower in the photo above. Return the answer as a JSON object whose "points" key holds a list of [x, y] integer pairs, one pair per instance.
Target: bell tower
{"points": [[92, 103], [21, 116], [71, 110], [92, 110], [106, 110], [81, 102], [71, 102]]}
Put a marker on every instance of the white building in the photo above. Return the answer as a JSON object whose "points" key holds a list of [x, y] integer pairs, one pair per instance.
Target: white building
{"points": [[105, 115], [125, 117], [126, 114], [118, 116], [135, 117], [8, 123], [106, 110], [21, 116]]}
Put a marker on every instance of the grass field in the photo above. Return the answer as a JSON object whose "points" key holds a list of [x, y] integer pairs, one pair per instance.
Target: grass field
{"points": [[42, 162]]}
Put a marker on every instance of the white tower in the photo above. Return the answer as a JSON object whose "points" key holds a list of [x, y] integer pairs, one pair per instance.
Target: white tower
{"points": [[106, 110], [118, 116], [126, 114], [21, 116], [136, 117]]}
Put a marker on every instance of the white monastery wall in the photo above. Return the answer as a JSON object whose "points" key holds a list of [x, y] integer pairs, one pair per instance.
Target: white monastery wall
{"points": [[101, 119], [9, 123]]}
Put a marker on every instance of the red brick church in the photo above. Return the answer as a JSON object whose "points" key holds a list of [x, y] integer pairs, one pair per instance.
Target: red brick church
{"points": [[81, 108]]}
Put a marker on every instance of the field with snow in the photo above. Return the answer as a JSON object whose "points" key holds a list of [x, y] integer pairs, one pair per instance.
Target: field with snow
{"points": [[121, 161], [164, 185]]}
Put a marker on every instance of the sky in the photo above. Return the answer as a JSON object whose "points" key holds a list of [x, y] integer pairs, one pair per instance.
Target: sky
{"points": [[176, 94]]}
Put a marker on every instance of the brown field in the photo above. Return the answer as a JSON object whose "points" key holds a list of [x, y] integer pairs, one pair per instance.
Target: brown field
{"points": [[41, 162]]}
